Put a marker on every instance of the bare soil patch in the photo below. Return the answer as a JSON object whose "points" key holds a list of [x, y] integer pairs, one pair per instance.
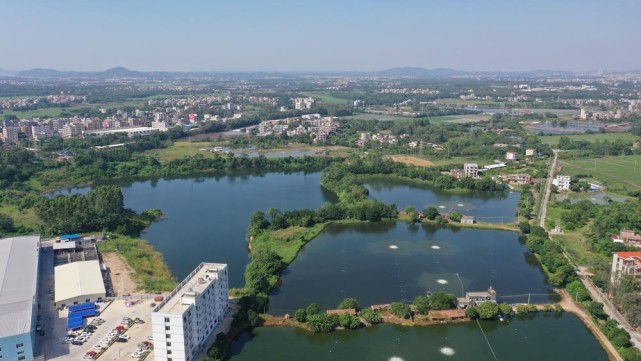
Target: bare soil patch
{"points": [[122, 276]]}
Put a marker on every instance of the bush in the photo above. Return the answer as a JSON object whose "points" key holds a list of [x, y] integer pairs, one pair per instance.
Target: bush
{"points": [[313, 309], [348, 303], [321, 322], [524, 227], [401, 310], [350, 322], [371, 316], [300, 315]]}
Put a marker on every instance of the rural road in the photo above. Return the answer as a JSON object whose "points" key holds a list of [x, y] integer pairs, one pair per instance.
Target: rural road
{"points": [[548, 189]]}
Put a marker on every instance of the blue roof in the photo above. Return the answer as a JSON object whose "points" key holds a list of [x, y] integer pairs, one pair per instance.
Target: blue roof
{"points": [[70, 236], [74, 322], [80, 307], [88, 313]]}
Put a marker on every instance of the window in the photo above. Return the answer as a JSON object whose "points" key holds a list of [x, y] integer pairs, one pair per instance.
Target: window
{"points": [[19, 345], [166, 319], [21, 358], [168, 352], [168, 344], [168, 335]]}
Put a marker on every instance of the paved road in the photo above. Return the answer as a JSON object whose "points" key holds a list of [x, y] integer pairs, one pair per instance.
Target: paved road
{"points": [[543, 208]]}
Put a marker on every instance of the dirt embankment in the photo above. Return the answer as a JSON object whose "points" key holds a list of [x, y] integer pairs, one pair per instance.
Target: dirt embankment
{"points": [[122, 276]]}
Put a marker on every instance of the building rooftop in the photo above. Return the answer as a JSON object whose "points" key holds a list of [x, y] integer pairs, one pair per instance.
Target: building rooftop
{"points": [[628, 254], [78, 278], [184, 294], [18, 283]]}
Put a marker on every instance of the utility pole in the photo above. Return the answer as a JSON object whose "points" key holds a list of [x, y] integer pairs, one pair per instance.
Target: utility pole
{"points": [[528, 298]]}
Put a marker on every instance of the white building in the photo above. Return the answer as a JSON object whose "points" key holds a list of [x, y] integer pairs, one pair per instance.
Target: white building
{"points": [[183, 322], [18, 297], [512, 156], [131, 132], [471, 170], [625, 263], [530, 152], [10, 135], [78, 282], [562, 182]]}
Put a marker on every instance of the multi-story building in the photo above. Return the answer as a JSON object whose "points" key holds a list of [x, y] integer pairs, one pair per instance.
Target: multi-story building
{"points": [[562, 182], [519, 178], [471, 170], [71, 130], [512, 156], [10, 135], [18, 297], [183, 322], [625, 263]]}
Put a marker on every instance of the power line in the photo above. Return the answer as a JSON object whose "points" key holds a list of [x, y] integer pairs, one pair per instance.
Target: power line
{"points": [[486, 340]]}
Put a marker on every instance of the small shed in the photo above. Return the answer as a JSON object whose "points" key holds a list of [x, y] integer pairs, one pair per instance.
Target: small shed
{"points": [[447, 315], [349, 311], [467, 220]]}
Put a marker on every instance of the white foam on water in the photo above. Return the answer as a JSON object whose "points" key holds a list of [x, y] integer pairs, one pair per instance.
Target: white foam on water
{"points": [[393, 246], [395, 358], [441, 206], [460, 204], [447, 351], [436, 247], [442, 282]]}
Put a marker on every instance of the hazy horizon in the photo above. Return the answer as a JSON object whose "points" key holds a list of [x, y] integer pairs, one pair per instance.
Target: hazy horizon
{"points": [[293, 36]]}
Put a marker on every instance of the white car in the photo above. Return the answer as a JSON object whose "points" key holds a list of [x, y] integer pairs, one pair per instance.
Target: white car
{"points": [[126, 337], [97, 347], [136, 355]]}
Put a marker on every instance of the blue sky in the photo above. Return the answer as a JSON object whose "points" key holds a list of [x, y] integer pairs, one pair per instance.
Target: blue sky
{"points": [[304, 35]]}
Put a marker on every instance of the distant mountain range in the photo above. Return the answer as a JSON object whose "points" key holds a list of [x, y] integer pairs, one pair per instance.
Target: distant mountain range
{"points": [[413, 72]]}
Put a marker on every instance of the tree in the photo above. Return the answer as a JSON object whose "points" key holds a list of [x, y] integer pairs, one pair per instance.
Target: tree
{"points": [[505, 309], [350, 322], [320, 322], [371, 316], [300, 315], [577, 291], [471, 312], [348, 303], [6, 224], [487, 310], [412, 212], [456, 216], [400, 310], [421, 304], [430, 213], [440, 300], [313, 309], [524, 227], [253, 318]]}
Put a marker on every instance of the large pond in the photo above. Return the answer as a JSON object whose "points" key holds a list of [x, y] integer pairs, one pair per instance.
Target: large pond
{"points": [[393, 261], [206, 219], [489, 207], [541, 337]]}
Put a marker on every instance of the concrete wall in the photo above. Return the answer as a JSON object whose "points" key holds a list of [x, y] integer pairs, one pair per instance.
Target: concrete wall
{"points": [[80, 300], [11, 353]]}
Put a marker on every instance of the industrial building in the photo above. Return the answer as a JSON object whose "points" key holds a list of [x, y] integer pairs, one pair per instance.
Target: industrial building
{"points": [[183, 322], [78, 282], [19, 258]]}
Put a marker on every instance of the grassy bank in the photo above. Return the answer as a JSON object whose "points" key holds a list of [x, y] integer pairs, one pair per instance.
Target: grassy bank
{"points": [[152, 274], [287, 242]]}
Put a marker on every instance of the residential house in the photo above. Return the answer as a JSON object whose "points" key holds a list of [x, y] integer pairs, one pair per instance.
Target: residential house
{"points": [[627, 237], [471, 170], [519, 178], [447, 315], [512, 156], [562, 182], [530, 152], [467, 220], [625, 263], [476, 298]]}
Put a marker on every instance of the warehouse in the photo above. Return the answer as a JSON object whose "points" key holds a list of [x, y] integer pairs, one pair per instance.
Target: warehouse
{"points": [[18, 302], [78, 282]]}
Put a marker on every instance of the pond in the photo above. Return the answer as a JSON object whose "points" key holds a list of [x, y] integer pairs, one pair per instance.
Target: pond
{"points": [[535, 338], [394, 261], [488, 207]]}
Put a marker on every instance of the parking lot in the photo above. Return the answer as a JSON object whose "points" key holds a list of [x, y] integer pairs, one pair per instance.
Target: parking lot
{"points": [[112, 314]]}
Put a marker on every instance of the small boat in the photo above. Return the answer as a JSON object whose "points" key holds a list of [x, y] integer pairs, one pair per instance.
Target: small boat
{"points": [[501, 318]]}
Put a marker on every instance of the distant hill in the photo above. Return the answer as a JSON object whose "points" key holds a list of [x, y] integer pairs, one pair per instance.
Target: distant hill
{"points": [[421, 72], [5, 72], [117, 72]]}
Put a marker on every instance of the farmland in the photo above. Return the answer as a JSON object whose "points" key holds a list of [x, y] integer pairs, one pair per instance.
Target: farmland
{"points": [[553, 140], [619, 174]]}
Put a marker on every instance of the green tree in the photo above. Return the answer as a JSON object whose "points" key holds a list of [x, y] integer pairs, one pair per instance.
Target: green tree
{"points": [[313, 309], [300, 315], [430, 213], [577, 291], [471, 312], [253, 318], [348, 303], [6, 224], [320, 322], [456, 216], [487, 310], [371, 316], [440, 300], [400, 310], [421, 304], [505, 309], [350, 322]]}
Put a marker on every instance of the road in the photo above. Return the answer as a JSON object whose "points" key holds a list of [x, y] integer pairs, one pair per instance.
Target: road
{"points": [[543, 208], [595, 293]]}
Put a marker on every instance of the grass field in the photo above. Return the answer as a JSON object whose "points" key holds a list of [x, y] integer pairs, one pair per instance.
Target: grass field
{"points": [[553, 140], [367, 116], [411, 160], [182, 149], [619, 174], [327, 99], [26, 218], [462, 119]]}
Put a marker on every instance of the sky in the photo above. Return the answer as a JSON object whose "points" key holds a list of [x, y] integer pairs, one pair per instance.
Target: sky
{"points": [[327, 35]]}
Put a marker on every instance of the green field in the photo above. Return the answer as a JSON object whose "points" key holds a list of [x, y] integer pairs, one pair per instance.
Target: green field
{"points": [[620, 174], [553, 140], [368, 116], [182, 149], [327, 99]]}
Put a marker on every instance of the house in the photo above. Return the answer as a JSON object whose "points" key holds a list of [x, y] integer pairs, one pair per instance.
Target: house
{"points": [[519, 178], [627, 237], [562, 182], [343, 311], [512, 156], [476, 298], [625, 263], [530, 152], [467, 220], [595, 186], [471, 170], [384, 306], [457, 173], [447, 315]]}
